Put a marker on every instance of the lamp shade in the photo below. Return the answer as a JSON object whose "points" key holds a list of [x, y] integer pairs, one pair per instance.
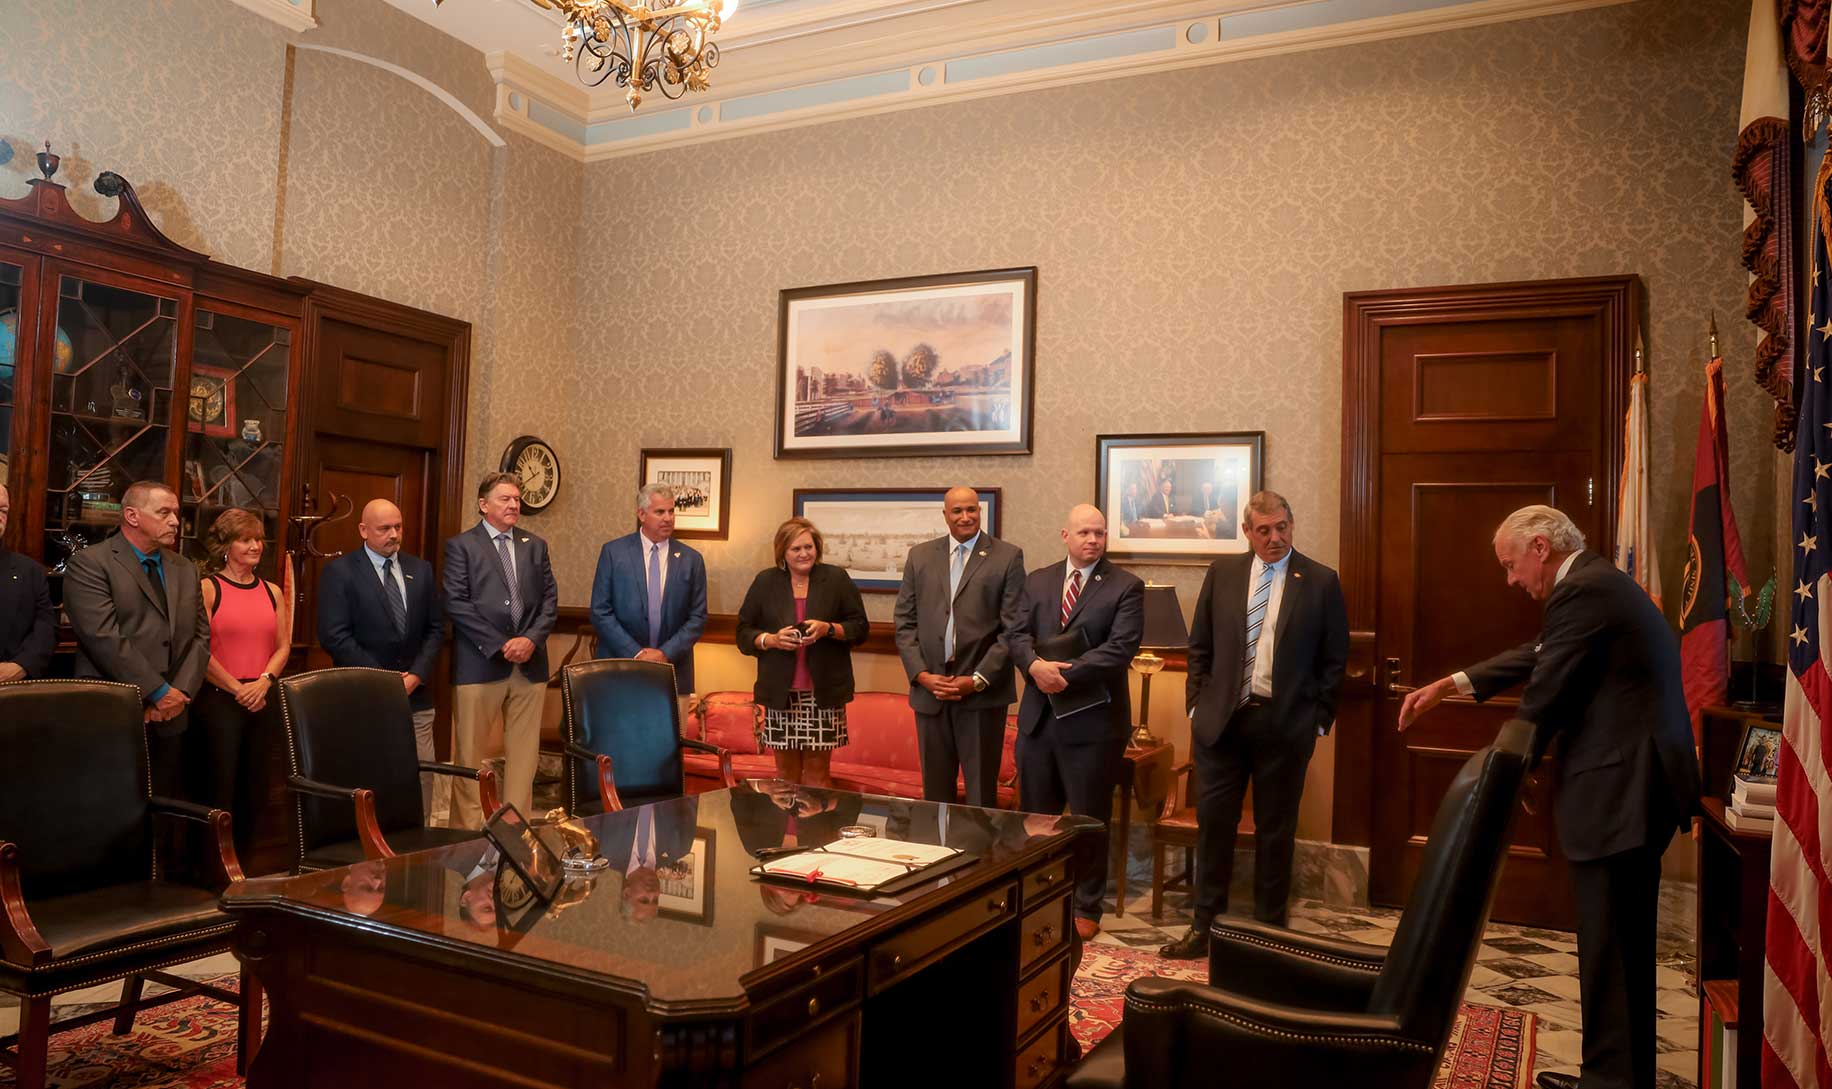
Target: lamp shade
{"points": [[1164, 629]]}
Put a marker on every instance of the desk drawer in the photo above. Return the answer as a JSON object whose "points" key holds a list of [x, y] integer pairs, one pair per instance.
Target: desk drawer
{"points": [[1042, 995], [779, 1019], [911, 950], [1040, 1061], [1045, 880], [1044, 930], [827, 1058]]}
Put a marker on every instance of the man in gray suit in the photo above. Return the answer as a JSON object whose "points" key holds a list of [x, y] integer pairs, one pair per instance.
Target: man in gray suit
{"points": [[139, 618], [959, 597]]}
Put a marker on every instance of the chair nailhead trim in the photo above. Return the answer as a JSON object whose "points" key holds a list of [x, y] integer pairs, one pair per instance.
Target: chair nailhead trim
{"points": [[1297, 950], [1302, 1037], [190, 955], [151, 943]]}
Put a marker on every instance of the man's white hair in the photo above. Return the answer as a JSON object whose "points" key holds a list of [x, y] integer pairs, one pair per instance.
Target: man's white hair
{"points": [[649, 491], [1541, 521]]}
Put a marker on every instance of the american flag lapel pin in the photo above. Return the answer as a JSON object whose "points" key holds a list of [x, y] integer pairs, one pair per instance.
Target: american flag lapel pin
{"points": [[1297, 574], [677, 555]]}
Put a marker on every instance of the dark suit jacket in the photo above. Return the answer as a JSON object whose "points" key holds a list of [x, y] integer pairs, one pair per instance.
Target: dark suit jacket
{"points": [[985, 607], [673, 822], [1603, 678], [125, 633], [1111, 610], [477, 600], [1158, 505], [770, 607], [1310, 647], [353, 625], [28, 629], [620, 603]]}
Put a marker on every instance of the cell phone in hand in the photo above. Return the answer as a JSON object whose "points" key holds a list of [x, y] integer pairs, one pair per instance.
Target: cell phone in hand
{"points": [[805, 629]]}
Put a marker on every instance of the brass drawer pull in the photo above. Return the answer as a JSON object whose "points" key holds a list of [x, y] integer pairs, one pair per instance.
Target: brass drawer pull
{"points": [[814, 1007], [995, 906], [1044, 936], [1046, 877], [1036, 1067], [1039, 1000], [896, 961]]}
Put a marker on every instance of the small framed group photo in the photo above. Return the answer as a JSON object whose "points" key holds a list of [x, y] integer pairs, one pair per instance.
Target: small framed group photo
{"points": [[702, 482], [1177, 498], [1759, 753], [869, 531], [686, 882], [913, 366]]}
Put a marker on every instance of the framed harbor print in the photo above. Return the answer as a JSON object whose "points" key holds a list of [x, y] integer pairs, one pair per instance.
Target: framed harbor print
{"points": [[869, 531], [915, 366], [1177, 498], [702, 481]]}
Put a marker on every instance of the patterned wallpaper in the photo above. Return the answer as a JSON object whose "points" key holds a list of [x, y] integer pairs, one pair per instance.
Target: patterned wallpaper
{"points": [[1194, 233]]}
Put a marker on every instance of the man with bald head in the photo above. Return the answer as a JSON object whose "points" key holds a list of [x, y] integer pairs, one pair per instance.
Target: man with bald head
{"points": [[28, 632], [380, 607], [1078, 628], [959, 597], [138, 611]]}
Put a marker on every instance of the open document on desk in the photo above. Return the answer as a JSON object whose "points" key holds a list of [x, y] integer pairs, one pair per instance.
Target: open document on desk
{"points": [[864, 864]]}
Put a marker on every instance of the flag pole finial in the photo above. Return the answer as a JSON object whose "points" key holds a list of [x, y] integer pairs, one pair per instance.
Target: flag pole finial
{"points": [[1714, 337], [1640, 363]]}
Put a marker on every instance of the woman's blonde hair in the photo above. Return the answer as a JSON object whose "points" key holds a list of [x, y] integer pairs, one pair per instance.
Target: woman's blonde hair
{"points": [[234, 524], [787, 532]]}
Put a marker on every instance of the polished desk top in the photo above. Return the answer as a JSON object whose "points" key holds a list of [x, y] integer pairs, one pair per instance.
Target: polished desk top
{"points": [[691, 929]]}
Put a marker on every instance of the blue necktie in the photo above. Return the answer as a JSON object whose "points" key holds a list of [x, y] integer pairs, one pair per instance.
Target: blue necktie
{"points": [[655, 594], [397, 606], [954, 584], [515, 591], [1256, 616]]}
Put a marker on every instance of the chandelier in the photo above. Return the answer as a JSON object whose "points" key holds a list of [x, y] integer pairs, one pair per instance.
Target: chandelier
{"points": [[668, 48]]}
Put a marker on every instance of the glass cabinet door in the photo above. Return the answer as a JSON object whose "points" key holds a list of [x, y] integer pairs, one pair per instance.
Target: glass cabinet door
{"points": [[236, 427], [111, 408], [10, 356]]}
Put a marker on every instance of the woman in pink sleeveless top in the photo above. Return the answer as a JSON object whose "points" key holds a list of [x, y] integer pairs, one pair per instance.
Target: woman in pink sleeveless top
{"points": [[237, 714]]}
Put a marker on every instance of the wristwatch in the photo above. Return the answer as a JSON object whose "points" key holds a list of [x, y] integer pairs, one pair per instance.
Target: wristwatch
{"points": [[979, 683], [270, 678]]}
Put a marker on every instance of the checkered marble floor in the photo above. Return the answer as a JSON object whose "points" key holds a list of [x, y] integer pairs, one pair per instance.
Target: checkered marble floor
{"points": [[1533, 970]]}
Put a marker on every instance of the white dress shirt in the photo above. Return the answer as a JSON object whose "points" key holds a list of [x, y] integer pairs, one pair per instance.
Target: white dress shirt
{"points": [[1269, 627], [642, 849], [1461, 678], [650, 546]]}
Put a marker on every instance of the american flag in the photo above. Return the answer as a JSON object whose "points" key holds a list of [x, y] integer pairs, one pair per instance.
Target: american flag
{"points": [[1634, 535], [1797, 990]]}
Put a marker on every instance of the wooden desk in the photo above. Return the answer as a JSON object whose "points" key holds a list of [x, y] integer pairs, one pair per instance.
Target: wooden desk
{"points": [[409, 972], [1145, 778]]}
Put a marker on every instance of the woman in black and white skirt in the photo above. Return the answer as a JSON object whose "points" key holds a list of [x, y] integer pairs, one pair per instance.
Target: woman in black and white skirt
{"points": [[801, 620]]}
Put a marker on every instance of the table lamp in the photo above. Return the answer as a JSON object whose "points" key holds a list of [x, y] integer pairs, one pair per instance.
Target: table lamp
{"points": [[1164, 630]]}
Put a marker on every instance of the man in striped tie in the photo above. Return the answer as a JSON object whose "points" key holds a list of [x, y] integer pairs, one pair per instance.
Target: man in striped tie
{"points": [[503, 601], [1268, 647], [1079, 625]]}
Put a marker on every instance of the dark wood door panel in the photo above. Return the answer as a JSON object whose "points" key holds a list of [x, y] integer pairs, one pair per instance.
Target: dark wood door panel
{"points": [[380, 385], [1510, 383]]}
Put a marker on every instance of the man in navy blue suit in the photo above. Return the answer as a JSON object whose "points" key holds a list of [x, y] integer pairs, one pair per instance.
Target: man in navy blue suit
{"points": [[28, 631], [379, 607], [503, 601], [1079, 627], [649, 592]]}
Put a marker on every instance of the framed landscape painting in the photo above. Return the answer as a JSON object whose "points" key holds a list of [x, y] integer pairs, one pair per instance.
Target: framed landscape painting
{"points": [[869, 531], [1177, 498], [702, 481], [914, 366]]}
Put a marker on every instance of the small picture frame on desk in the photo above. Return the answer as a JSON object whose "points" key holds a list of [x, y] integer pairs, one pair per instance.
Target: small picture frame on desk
{"points": [[1758, 753]]}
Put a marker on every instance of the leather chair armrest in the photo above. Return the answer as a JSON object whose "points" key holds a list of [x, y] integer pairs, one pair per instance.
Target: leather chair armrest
{"points": [[726, 775], [607, 786], [1104, 1067], [367, 830], [221, 865], [488, 797], [20, 941], [1272, 964], [1179, 1033]]}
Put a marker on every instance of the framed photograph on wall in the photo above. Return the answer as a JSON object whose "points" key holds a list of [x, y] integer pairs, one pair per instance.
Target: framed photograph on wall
{"points": [[702, 482], [1177, 498], [686, 882], [869, 531], [913, 366]]}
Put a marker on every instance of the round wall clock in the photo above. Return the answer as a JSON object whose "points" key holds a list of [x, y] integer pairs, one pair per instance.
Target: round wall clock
{"points": [[538, 466]]}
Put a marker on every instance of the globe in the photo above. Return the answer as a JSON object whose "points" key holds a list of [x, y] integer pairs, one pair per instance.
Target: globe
{"points": [[9, 344]]}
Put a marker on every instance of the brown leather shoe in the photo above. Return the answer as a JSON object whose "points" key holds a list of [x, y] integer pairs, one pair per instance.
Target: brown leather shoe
{"points": [[1085, 928], [1192, 946], [1549, 1079]]}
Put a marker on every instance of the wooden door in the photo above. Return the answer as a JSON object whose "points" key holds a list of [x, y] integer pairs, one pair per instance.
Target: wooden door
{"points": [[1468, 403]]}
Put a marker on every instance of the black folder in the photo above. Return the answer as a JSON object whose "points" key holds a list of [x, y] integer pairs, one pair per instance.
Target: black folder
{"points": [[1079, 696]]}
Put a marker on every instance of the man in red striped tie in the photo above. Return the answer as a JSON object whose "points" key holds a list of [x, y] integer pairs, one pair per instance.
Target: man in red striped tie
{"points": [[1079, 627]]}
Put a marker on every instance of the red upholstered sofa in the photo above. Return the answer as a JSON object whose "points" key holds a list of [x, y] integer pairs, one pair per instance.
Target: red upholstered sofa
{"points": [[878, 758]]}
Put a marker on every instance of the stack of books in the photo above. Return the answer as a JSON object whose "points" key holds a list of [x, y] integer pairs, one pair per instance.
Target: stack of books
{"points": [[1752, 806]]}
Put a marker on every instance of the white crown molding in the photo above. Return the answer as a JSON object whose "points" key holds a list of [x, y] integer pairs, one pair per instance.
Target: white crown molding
{"points": [[295, 17], [882, 49]]}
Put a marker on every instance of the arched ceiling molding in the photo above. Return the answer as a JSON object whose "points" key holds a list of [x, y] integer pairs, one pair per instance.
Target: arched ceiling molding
{"points": [[471, 116]]}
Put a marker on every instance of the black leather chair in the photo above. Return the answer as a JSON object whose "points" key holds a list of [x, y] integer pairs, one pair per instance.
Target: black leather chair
{"points": [[622, 724], [1284, 1008], [355, 775], [88, 891]]}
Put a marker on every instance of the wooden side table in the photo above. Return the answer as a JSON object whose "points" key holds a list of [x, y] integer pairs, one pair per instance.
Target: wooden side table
{"points": [[1145, 778]]}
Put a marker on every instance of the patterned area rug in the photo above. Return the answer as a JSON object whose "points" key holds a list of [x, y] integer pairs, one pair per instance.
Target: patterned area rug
{"points": [[190, 1044], [1490, 1048]]}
